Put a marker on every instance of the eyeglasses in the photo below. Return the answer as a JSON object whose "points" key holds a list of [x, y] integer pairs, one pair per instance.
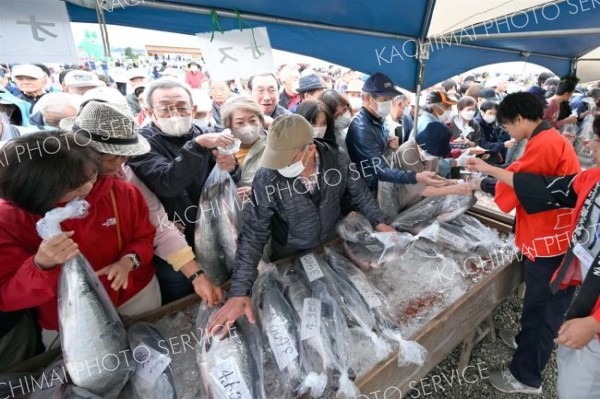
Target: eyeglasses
{"points": [[166, 112]]}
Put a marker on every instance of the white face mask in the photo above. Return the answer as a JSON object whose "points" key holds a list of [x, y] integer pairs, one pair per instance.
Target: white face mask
{"points": [[342, 122], [319, 131], [202, 122], [384, 108], [175, 125], [444, 117], [294, 169], [489, 118], [355, 102], [248, 134], [467, 115]]}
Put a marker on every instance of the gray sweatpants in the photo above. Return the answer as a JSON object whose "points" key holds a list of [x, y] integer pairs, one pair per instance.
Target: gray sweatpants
{"points": [[579, 371]]}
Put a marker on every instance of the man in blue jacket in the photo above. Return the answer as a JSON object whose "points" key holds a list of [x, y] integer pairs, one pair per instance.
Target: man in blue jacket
{"points": [[367, 137]]}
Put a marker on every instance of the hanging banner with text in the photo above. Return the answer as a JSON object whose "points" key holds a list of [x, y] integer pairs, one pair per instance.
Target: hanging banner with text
{"points": [[35, 31], [237, 53]]}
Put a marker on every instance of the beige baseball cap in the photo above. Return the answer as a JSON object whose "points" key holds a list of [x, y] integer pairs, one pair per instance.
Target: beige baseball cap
{"points": [[287, 134]]}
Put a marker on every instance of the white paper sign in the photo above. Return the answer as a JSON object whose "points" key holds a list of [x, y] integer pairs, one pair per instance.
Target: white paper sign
{"points": [[311, 267], [228, 374], [311, 318], [281, 343], [585, 258], [366, 291], [35, 31], [150, 363], [237, 54]]}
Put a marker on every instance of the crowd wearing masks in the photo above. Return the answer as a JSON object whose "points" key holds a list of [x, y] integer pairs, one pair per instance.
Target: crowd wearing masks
{"points": [[158, 130]]}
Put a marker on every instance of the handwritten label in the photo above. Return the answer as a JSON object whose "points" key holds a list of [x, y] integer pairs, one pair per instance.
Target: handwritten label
{"points": [[281, 343], [311, 267], [585, 258], [311, 318], [151, 363], [366, 291], [230, 379], [452, 238]]}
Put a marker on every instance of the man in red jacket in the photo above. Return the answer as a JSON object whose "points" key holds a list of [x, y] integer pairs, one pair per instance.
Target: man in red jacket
{"points": [[542, 237]]}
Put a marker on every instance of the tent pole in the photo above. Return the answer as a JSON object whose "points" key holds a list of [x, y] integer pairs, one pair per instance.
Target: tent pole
{"points": [[422, 56]]}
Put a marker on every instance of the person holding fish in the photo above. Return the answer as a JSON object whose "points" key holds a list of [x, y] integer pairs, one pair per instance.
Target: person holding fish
{"points": [[367, 138], [578, 355], [543, 237], [297, 196], [116, 237]]}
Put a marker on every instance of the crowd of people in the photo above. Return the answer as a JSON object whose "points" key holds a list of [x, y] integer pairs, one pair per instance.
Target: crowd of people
{"points": [[152, 135]]}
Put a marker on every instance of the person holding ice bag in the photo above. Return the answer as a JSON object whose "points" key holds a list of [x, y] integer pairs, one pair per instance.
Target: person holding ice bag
{"points": [[579, 351]]}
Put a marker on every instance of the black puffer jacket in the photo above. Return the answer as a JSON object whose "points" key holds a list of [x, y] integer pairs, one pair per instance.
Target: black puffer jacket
{"points": [[283, 211], [175, 169]]}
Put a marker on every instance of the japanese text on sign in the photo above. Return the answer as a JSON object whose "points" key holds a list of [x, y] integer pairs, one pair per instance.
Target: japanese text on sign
{"points": [[34, 31], [231, 53]]}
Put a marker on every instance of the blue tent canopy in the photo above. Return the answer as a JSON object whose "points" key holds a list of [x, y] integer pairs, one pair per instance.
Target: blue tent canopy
{"points": [[389, 36]]}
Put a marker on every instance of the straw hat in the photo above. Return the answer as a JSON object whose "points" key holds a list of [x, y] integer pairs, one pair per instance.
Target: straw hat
{"points": [[111, 129]]}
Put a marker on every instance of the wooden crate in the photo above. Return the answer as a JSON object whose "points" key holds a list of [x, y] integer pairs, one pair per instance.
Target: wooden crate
{"points": [[440, 336]]}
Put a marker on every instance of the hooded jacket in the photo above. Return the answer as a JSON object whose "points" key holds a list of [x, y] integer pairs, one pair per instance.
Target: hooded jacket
{"points": [[23, 285], [282, 210]]}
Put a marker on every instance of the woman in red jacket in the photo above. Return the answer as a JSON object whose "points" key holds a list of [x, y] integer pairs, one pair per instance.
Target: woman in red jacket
{"points": [[41, 171], [579, 337]]}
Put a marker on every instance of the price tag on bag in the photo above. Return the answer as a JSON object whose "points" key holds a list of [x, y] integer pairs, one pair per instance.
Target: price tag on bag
{"points": [[311, 318], [150, 363], [311, 267], [366, 291], [228, 374], [281, 343]]}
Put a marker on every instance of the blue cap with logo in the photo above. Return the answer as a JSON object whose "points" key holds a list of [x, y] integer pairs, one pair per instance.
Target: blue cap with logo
{"points": [[380, 85]]}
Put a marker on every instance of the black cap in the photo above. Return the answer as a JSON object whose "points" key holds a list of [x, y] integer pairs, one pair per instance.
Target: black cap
{"points": [[544, 75], [380, 85], [488, 93], [310, 83]]}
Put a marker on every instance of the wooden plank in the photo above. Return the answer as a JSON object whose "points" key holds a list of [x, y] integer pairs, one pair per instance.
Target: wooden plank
{"points": [[492, 214]]}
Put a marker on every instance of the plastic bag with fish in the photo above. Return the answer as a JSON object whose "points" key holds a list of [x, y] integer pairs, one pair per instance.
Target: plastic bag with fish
{"points": [[487, 238], [231, 367], [388, 247], [50, 383], [217, 225], [90, 328], [449, 236], [146, 335], [356, 228], [443, 209], [356, 312], [410, 352], [300, 368], [323, 328]]}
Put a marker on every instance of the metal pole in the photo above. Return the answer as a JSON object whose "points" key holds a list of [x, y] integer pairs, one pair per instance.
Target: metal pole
{"points": [[522, 35]]}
